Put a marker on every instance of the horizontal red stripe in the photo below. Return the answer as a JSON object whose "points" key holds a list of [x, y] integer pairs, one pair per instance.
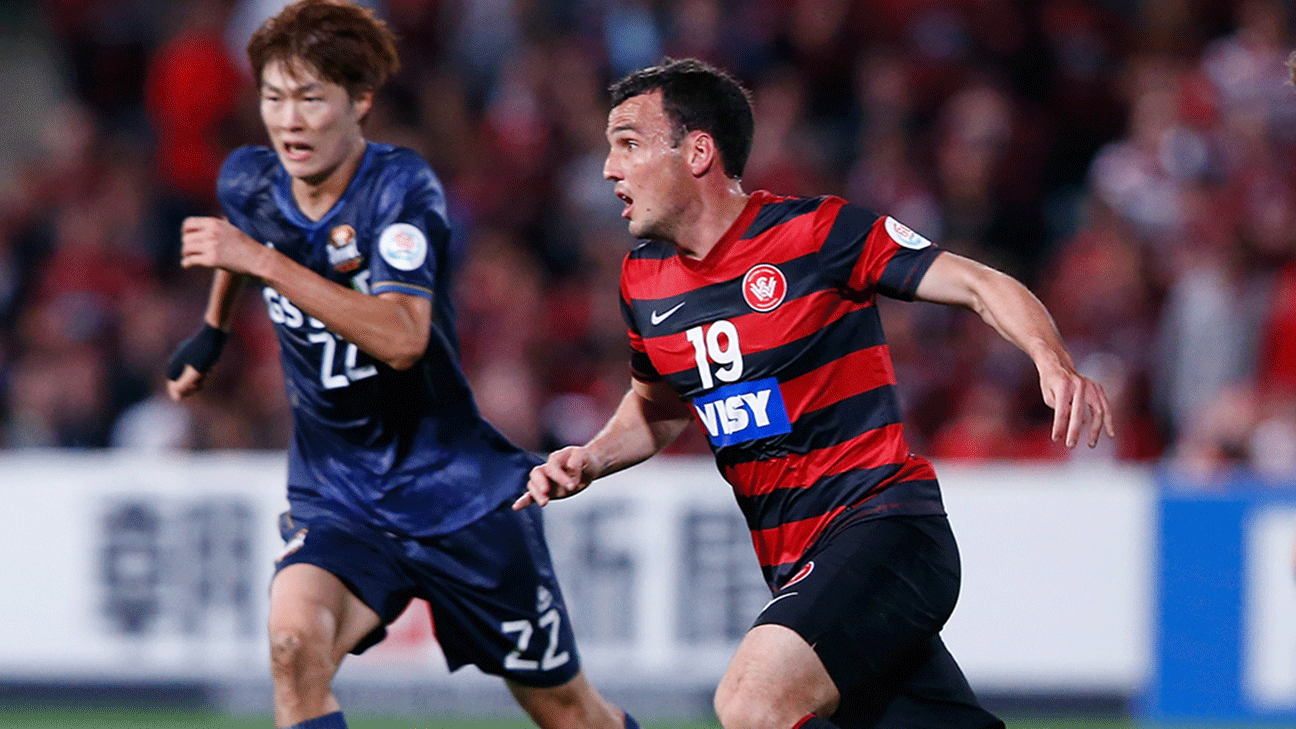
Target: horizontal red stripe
{"points": [[915, 468], [787, 542], [874, 255], [636, 341], [880, 447], [857, 372], [758, 332], [656, 278], [793, 320]]}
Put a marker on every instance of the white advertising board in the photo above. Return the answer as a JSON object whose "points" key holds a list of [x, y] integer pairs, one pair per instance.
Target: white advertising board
{"points": [[127, 567], [1269, 611]]}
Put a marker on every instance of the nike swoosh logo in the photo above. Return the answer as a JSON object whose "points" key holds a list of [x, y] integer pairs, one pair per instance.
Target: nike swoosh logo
{"points": [[780, 597], [659, 318]]}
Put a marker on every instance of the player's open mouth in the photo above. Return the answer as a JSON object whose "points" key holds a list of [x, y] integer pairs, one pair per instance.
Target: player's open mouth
{"points": [[629, 204], [297, 151]]}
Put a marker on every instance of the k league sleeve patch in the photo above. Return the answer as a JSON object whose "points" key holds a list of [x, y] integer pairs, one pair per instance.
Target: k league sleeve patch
{"points": [[403, 246]]}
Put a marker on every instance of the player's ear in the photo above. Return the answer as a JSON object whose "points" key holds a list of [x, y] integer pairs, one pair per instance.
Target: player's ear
{"points": [[363, 102], [700, 153]]}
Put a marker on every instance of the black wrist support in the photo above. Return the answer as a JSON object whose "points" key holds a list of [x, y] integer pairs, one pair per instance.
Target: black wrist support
{"points": [[199, 351]]}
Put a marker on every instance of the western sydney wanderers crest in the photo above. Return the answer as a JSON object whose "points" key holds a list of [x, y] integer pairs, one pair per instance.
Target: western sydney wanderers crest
{"points": [[764, 287], [801, 574], [343, 254]]}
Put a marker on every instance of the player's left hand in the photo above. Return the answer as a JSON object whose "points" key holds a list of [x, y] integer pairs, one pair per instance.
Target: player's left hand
{"points": [[1079, 405], [216, 243], [568, 471]]}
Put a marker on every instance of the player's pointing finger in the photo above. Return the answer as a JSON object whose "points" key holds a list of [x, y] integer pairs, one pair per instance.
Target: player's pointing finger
{"points": [[537, 489]]}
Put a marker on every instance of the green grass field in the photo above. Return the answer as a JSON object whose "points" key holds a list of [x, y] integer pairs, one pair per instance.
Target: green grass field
{"points": [[120, 719]]}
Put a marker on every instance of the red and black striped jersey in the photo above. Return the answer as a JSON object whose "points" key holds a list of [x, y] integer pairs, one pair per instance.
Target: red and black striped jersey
{"points": [[775, 340]]}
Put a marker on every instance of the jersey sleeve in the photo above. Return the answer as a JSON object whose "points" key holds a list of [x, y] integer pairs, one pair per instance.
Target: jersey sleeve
{"points": [[641, 366], [864, 251], [242, 172], [411, 233]]}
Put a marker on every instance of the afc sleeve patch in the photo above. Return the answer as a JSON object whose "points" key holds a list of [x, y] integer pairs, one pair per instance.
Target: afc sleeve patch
{"points": [[403, 246]]}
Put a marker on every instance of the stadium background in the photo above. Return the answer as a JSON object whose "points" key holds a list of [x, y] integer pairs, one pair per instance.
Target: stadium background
{"points": [[1131, 161]]}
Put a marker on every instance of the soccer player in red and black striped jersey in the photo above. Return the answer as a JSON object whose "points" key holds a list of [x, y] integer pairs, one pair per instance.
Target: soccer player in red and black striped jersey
{"points": [[755, 315]]}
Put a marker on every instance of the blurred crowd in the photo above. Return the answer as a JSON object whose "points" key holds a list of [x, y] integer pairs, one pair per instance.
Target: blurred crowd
{"points": [[1132, 162]]}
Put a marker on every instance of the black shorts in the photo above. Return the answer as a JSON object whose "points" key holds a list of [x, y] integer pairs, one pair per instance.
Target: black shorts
{"points": [[871, 598], [494, 597]]}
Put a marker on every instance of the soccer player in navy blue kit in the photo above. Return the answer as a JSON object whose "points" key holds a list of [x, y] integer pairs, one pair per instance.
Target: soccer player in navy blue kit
{"points": [[755, 316], [397, 487]]}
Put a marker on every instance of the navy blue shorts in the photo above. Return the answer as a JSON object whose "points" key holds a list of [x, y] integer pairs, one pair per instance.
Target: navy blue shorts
{"points": [[871, 597], [494, 597]]}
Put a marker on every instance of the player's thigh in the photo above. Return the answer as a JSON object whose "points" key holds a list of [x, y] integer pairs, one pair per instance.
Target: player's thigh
{"points": [[368, 562], [495, 599], [870, 596], [312, 607], [774, 679]]}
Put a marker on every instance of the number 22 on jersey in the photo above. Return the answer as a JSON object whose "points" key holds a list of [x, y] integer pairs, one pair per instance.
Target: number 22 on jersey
{"points": [[282, 311]]}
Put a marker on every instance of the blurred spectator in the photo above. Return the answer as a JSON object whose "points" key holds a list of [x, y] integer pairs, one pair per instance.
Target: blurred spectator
{"points": [[1134, 163], [192, 90]]}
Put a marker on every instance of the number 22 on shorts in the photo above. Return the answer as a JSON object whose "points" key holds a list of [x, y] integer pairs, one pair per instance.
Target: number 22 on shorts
{"points": [[551, 622]]}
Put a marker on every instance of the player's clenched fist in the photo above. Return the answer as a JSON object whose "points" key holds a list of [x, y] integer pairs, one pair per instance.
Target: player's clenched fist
{"points": [[215, 243], [568, 471]]}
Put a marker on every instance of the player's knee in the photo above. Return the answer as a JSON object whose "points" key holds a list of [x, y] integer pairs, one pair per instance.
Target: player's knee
{"points": [[295, 654], [746, 710]]}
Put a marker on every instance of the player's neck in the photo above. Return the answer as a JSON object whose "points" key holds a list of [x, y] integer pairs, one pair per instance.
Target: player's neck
{"points": [[315, 196], [719, 208]]}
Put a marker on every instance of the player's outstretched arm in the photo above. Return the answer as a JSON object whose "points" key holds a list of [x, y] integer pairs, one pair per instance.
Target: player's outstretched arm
{"points": [[391, 327], [650, 417], [1079, 404], [189, 364]]}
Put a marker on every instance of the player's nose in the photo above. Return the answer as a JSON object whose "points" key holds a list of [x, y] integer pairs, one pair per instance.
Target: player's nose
{"points": [[611, 171], [287, 116]]}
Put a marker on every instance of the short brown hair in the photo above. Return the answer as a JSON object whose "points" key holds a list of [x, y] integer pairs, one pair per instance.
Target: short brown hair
{"points": [[343, 42], [697, 96]]}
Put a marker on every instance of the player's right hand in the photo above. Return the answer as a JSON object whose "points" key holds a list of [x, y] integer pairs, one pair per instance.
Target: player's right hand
{"points": [[192, 359], [189, 382], [568, 471]]}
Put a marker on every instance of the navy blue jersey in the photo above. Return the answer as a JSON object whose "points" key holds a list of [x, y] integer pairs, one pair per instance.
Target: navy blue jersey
{"points": [[405, 451]]}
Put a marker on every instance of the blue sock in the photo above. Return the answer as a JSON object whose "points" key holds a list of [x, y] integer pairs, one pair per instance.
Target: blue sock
{"points": [[328, 721], [630, 723]]}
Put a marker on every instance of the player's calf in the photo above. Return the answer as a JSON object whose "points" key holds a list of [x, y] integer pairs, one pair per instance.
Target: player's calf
{"points": [[573, 705]]}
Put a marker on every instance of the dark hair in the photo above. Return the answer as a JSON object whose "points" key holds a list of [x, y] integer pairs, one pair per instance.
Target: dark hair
{"points": [[697, 96], [343, 42]]}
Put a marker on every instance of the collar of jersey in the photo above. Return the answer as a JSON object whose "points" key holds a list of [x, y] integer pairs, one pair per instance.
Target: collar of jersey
{"points": [[288, 204], [715, 256]]}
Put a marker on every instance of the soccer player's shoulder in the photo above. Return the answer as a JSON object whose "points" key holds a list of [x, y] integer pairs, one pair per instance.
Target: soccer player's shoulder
{"points": [[403, 175], [246, 170], [403, 166]]}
